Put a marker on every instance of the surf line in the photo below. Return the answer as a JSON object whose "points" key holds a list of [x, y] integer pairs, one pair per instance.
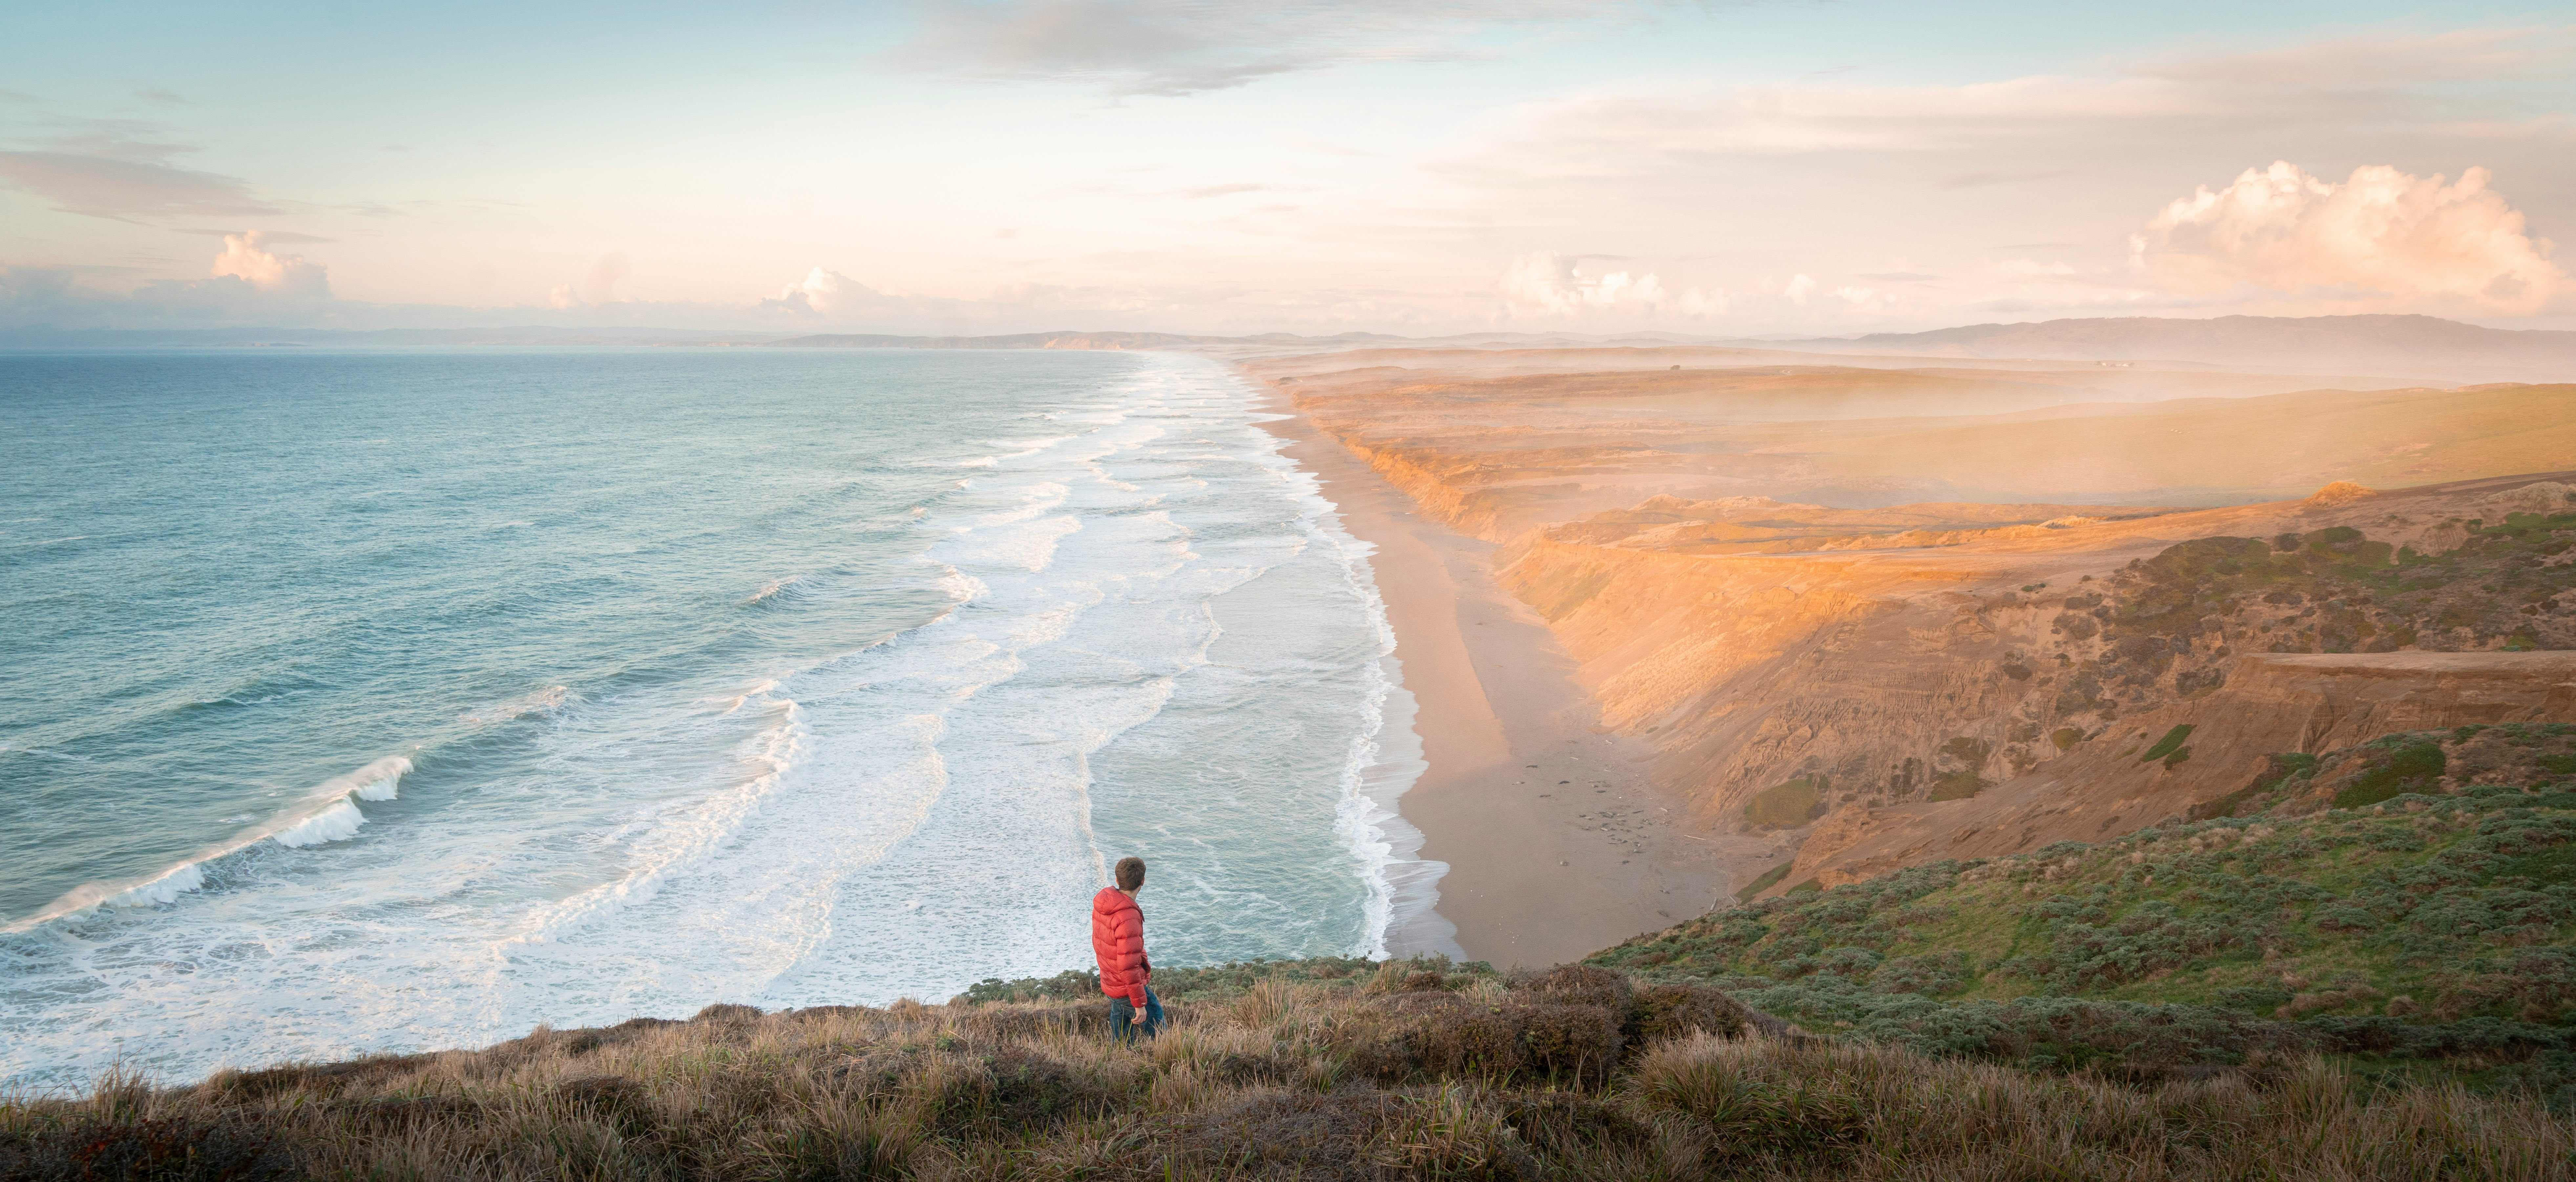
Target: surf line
{"points": [[328, 813], [1385, 759]]}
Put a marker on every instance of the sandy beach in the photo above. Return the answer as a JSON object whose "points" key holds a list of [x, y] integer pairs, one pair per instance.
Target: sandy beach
{"points": [[1556, 841]]}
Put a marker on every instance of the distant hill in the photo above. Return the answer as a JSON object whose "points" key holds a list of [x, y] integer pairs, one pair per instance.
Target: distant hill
{"points": [[504, 336], [1017, 340], [1264, 343], [2395, 344], [2413, 348]]}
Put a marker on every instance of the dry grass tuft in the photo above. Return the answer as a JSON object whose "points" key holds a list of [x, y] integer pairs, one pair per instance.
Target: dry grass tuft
{"points": [[1575, 1073]]}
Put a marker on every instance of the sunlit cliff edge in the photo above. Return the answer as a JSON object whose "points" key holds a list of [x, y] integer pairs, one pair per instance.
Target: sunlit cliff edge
{"points": [[2014, 600]]}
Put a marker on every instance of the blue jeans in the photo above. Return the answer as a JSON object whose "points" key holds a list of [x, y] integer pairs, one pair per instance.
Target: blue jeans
{"points": [[1122, 1017]]}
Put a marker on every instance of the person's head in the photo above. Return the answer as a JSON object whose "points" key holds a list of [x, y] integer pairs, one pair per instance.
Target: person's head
{"points": [[1131, 874]]}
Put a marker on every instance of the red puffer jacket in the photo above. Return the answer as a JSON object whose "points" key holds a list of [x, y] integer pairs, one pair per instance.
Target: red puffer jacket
{"points": [[1118, 939]]}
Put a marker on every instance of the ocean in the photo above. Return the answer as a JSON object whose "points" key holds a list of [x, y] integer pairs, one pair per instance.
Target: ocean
{"points": [[367, 701]]}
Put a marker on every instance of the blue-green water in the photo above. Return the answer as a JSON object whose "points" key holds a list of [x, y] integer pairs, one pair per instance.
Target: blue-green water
{"points": [[363, 701]]}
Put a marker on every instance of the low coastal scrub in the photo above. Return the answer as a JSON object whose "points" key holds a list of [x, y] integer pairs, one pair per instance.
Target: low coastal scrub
{"points": [[1795, 803], [1418, 1069], [2164, 629], [2503, 585], [2420, 936]]}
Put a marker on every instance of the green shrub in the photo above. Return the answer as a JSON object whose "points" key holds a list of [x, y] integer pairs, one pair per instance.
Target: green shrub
{"points": [[2166, 745], [2549, 867], [1769, 879], [1794, 803], [2466, 907], [2253, 999], [2412, 765]]}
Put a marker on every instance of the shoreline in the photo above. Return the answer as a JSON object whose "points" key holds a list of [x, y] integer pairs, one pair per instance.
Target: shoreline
{"points": [[1556, 842]]}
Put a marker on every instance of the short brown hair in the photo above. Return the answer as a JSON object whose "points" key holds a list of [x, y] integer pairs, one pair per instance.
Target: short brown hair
{"points": [[1131, 873]]}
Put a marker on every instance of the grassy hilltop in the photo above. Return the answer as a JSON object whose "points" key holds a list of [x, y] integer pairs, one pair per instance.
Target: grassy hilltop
{"points": [[2367, 975], [1406, 1070]]}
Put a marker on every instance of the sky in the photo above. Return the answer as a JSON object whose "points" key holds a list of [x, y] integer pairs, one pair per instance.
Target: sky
{"points": [[1211, 166]]}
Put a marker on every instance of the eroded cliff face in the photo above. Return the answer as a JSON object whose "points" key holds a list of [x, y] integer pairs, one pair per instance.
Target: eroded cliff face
{"points": [[1881, 707], [2271, 704]]}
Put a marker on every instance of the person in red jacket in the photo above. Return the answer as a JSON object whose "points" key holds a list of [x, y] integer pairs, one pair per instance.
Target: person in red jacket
{"points": [[1118, 940]]}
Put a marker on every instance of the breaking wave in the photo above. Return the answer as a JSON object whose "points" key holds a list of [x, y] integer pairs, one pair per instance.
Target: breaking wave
{"points": [[328, 813]]}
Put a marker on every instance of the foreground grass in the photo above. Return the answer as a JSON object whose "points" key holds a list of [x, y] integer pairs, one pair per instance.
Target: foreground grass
{"points": [[1413, 1070]]}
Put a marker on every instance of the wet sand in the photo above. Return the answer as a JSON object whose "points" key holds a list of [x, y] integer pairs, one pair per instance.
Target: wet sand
{"points": [[1557, 844]]}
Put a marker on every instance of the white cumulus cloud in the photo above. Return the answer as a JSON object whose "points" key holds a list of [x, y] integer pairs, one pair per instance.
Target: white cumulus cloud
{"points": [[822, 292], [2380, 234], [246, 257], [1552, 284]]}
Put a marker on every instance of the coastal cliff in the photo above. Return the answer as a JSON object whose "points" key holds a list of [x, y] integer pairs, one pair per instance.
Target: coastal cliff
{"points": [[2232, 741], [1882, 707], [1873, 687]]}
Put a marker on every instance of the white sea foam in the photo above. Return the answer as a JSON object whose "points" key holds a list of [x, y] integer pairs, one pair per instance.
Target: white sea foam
{"points": [[381, 780], [324, 814], [163, 890], [337, 821], [1025, 447], [1036, 499], [962, 587], [738, 701], [684, 836], [544, 701]]}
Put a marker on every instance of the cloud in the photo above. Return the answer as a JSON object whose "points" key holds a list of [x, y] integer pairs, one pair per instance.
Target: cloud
{"points": [[1553, 285], [600, 287], [2034, 127], [247, 258], [248, 283], [1547, 283], [1312, 143], [1979, 180], [271, 237], [2461, 55], [1658, 128], [127, 190], [57, 297], [1183, 47], [1203, 192], [2411, 241], [121, 169], [822, 292]]}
